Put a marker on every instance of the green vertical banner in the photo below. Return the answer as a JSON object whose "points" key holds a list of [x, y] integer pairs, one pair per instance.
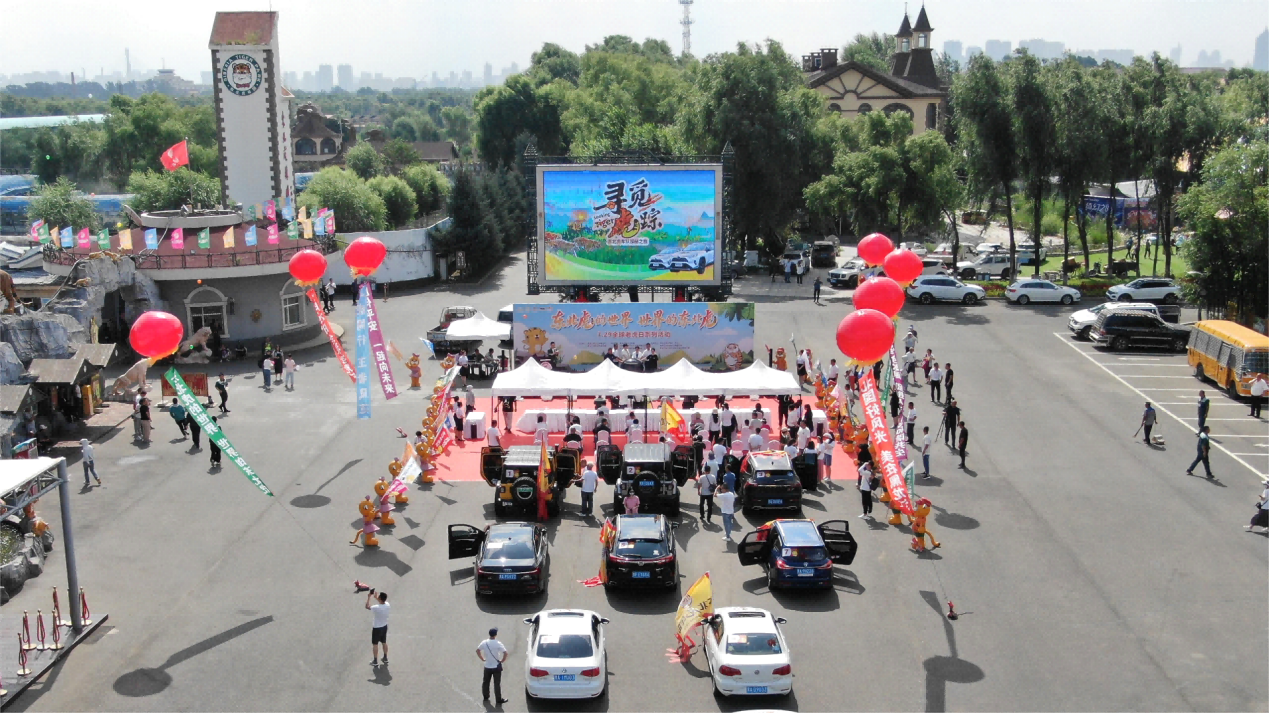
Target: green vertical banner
{"points": [[250, 212], [103, 239], [293, 231], [204, 239], [45, 236], [211, 428]]}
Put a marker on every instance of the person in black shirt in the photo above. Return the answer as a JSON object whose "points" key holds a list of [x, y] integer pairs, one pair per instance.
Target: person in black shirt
{"points": [[951, 417], [603, 426], [215, 450]]}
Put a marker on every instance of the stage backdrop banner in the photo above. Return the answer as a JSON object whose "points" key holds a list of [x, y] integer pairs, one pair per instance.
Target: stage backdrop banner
{"points": [[713, 336]]}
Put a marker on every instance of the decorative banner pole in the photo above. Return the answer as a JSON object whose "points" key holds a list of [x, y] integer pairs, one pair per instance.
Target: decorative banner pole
{"points": [[307, 267], [211, 428], [363, 359], [382, 366], [363, 256]]}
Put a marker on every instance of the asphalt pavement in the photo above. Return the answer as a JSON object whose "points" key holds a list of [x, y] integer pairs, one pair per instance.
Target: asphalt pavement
{"points": [[1089, 571]]}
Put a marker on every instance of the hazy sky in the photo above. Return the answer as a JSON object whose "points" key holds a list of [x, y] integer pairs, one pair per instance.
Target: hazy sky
{"points": [[417, 37]]}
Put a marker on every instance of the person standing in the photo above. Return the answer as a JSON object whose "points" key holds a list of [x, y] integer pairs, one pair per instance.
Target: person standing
{"points": [[727, 508], [936, 383], [911, 419], [90, 465], [705, 485], [136, 414], [144, 412], [266, 369], [493, 434], [729, 424], [222, 389], [288, 369], [493, 654], [865, 489], [826, 456], [1204, 450], [815, 290], [962, 441], [925, 450], [1204, 405], [177, 412], [328, 296], [926, 362], [788, 270], [895, 406], [910, 340], [589, 480], [951, 417], [194, 433], [215, 449], [378, 625], [277, 366], [947, 380], [909, 364], [1259, 387], [1148, 417], [801, 269], [1261, 518]]}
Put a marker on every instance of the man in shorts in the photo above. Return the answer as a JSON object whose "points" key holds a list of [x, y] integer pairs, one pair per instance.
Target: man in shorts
{"points": [[379, 628]]}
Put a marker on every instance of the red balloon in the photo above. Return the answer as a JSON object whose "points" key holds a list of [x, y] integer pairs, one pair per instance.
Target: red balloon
{"points": [[364, 255], [880, 293], [156, 334], [307, 267], [874, 248], [904, 266], [865, 335]]}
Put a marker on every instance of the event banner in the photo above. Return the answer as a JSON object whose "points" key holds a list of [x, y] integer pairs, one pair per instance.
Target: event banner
{"points": [[882, 443], [363, 359], [383, 367], [335, 345], [714, 336], [628, 224], [696, 606], [211, 428], [897, 376]]}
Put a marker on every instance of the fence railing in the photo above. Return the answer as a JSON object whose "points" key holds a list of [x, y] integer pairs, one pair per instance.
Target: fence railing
{"points": [[149, 260]]}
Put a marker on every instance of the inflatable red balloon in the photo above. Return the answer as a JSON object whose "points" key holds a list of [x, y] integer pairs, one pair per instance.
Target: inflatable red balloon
{"points": [[865, 335], [880, 293], [903, 265], [156, 335], [874, 248], [364, 255], [307, 267]]}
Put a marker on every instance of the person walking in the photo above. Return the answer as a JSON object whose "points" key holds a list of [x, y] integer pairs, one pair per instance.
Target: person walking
{"points": [[826, 455], [1148, 417], [1259, 387], [493, 434], [962, 441], [951, 417], [144, 411], [895, 407], [705, 485], [1204, 450], [328, 295], [911, 421], [801, 269], [947, 380], [215, 449], [936, 383], [589, 480], [1204, 405], [222, 390], [729, 424], [378, 625], [788, 270], [136, 414], [909, 365], [177, 412], [1261, 518], [266, 368], [90, 465], [277, 366], [926, 362], [194, 433], [815, 290], [925, 451], [493, 654], [288, 369], [727, 508], [864, 486]]}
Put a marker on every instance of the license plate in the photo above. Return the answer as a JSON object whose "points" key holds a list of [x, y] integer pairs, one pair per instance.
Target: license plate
{"points": [[755, 689], [806, 573], [641, 575], [573, 677], [507, 576], [775, 501], [647, 483]]}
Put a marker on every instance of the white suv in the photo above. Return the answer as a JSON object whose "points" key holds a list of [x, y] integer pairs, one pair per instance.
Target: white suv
{"points": [[933, 288], [1081, 323], [990, 265], [851, 273], [1147, 288]]}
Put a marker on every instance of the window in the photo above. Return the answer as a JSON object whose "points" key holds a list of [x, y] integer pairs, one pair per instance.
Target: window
{"points": [[865, 108], [906, 45], [328, 146], [892, 108], [305, 147], [921, 40], [292, 312], [931, 116], [835, 107], [206, 307]]}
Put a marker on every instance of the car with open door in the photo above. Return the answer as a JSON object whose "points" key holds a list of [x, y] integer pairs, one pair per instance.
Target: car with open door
{"points": [[767, 480], [652, 473], [798, 553], [513, 473], [639, 551], [509, 557], [746, 653], [565, 655]]}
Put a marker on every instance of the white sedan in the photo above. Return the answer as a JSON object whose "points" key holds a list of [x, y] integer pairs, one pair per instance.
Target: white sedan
{"points": [[746, 653], [1031, 290], [566, 656], [934, 288]]}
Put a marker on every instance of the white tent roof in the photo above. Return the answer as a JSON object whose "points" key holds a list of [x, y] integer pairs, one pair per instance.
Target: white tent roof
{"points": [[15, 474], [478, 327], [682, 378], [532, 379]]}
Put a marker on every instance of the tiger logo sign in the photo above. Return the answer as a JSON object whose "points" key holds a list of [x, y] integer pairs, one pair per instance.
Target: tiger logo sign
{"points": [[241, 75]]}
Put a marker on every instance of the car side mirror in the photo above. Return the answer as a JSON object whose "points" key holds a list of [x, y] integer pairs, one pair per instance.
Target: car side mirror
{"points": [[528, 621], [605, 620], [781, 620]]}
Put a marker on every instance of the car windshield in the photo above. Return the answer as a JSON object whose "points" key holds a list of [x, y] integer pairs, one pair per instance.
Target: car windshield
{"points": [[753, 644], [640, 548], [805, 554], [518, 546], [565, 646], [775, 477]]}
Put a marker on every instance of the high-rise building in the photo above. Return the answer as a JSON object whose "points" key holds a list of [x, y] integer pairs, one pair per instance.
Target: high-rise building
{"points": [[345, 75], [1123, 57], [1260, 59], [367, 80], [306, 82], [466, 79], [436, 79], [998, 49], [1043, 49], [290, 80], [325, 78], [488, 78], [1174, 54], [954, 51], [972, 51]]}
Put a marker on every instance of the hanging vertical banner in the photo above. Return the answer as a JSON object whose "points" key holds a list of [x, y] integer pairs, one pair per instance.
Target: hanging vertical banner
{"points": [[195, 410], [251, 236], [383, 368], [330, 222], [83, 238], [883, 444], [303, 213], [273, 233], [229, 237], [151, 239], [270, 210], [204, 239], [308, 229], [68, 240], [319, 225], [340, 354], [125, 239], [288, 210], [363, 358], [293, 231], [103, 239], [178, 238], [897, 376], [45, 237], [35, 229], [249, 212]]}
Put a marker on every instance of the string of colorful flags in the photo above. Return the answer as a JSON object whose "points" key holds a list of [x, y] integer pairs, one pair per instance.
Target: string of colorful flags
{"points": [[298, 225]]}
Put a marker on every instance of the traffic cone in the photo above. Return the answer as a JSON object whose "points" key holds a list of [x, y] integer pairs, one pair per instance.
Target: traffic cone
{"points": [[951, 611]]}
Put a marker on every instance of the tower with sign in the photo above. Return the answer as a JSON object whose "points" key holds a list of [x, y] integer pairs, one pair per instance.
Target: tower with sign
{"points": [[252, 109]]}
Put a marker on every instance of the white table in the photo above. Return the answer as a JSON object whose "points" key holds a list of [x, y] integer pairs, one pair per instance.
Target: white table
{"points": [[557, 419], [475, 423]]}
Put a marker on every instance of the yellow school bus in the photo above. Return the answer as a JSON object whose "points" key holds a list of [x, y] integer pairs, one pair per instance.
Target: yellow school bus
{"points": [[1229, 354]]}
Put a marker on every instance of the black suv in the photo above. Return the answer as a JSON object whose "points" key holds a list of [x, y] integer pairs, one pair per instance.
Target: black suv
{"points": [[652, 473], [639, 552], [768, 481], [514, 475], [1120, 329]]}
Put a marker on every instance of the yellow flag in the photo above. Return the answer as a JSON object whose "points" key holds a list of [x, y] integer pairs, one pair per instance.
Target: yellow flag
{"points": [[544, 470], [303, 215], [308, 229], [696, 606], [229, 237], [125, 239]]}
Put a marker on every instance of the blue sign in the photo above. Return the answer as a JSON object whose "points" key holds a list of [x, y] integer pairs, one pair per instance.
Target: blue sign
{"points": [[363, 357], [151, 239], [251, 236]]}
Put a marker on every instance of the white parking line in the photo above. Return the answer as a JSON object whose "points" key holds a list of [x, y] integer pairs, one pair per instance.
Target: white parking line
{"points": [[1187, 418], [1195, 405], [1264, 477], [1142, 376], [1254, 455], [1154, 389], [1144, 365]]}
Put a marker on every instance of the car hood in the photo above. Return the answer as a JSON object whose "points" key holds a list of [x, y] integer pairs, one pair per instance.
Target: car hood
{"points": [[1084, 315]]}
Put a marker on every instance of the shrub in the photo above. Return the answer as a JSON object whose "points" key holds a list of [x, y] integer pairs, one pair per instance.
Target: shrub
{"points": [[430, 187], [398, 198], [169, 190], [356, 206], [364, 161], [59, 204]]}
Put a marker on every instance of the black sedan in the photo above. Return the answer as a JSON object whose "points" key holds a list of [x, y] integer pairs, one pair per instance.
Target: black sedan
{"points": [[510, 557], [639, 552]]}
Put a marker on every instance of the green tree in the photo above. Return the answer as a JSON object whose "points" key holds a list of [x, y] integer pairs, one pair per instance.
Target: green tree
{"points": [[364, 161], [472, 230], [59, 204], [398, 199], [169, 190], [553, 62], [984, 111], [398, 154], [1228, 213], [1034, 127], [356, 206], [457, 125], [1079, 143], [518, 106], [429, 185], [520, 209], [872, 50], [499, 210], [138, 131]]}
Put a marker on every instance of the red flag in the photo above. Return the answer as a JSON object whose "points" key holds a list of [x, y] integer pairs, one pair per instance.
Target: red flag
{"points": [[176, 156], [444, 439]]}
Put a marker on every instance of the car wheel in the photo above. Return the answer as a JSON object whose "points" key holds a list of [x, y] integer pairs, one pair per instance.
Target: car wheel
{"points": [[700, 267], [970, 299], [1125, 297], [1119, 344], [1178, 344], [852, 283], [967, 273], [1023, 299], [771, 579], [1085, 333], [1170, 298], [926, 298], [1232, 388], [1067, 299]]}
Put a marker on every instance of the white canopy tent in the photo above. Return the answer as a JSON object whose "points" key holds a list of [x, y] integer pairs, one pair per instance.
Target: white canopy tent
{"points": [[607, 379], [478, 327]]}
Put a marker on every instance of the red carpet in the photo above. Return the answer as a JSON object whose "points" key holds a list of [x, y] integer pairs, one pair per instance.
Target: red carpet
{"points": [[462, 462]]}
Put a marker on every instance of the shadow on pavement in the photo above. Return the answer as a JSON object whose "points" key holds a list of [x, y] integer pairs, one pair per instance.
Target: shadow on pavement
{"points": [[381, 558], [382, 676], [942, 670], [149, 681], [954, 521], [644, 601], [807, 600], [589, 704], [764, 703]]}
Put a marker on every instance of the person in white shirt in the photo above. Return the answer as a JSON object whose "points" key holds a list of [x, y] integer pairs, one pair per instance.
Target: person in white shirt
{"points": [[865, 489], [720, 451], [711, 462], [729, 423], [832, 370], [909, 365], [493, 436], [705, 485], [911, 420], [379, 627], [493, 654], [540, 431], [288, 372], [936, 383], [804, 434], [910, 340], [1261, 518], [624, 352], [462, 361], [1259, 388], [925, 450], [589, 481], [755, 442], [726, 501], [826, 455], [86, 452], [266, 367], [792, 451]]}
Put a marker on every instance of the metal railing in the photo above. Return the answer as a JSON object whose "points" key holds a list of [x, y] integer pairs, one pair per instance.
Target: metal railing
{"points": [[150, 260]]}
